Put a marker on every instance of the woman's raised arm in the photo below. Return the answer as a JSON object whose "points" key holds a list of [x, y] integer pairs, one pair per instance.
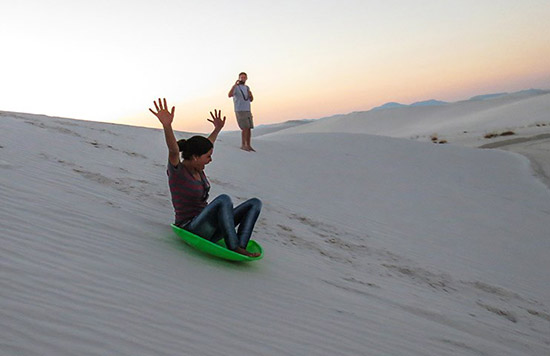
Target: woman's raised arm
{"points": [[166, 117], [218, 123]]}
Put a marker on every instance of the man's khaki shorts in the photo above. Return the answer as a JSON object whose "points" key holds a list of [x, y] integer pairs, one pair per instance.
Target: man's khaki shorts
{"points": [[244, 119]]}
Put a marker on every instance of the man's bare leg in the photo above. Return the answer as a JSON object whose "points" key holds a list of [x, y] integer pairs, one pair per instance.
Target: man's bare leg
{"points": [[248, 139], [244, 140]]}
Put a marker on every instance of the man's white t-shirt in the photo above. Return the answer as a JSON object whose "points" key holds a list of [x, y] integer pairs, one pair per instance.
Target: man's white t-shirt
{"points": [[241, 98]]}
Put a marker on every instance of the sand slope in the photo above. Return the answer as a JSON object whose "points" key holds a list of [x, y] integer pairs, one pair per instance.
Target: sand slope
{"points": [[373, 245]]}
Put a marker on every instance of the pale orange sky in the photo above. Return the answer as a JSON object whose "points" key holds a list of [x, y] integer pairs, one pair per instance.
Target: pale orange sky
{"points": [[305, 59]]}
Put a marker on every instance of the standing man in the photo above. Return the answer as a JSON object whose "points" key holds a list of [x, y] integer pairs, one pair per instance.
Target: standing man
{"points": [[242, 97]]}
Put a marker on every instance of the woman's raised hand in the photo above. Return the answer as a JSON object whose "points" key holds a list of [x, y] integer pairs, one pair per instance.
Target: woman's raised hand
{"points": [[217, 120], [165, 117]]}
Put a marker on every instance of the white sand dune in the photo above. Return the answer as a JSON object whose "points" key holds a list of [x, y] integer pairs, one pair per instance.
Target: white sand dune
{"points": [[463, 122], [373, 246], [534, 147]]}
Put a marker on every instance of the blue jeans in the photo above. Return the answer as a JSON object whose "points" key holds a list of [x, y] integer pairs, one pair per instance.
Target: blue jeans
{"points": [[219, 219]]}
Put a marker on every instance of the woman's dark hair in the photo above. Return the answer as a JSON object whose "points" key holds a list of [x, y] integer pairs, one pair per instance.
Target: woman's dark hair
{"points": [[195, 146]]}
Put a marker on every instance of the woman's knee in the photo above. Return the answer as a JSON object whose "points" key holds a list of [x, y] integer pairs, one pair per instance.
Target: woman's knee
{"points": [[255, 203], [223, 199]]}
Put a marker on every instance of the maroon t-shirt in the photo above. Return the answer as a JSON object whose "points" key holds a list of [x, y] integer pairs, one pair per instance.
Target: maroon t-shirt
{"points": [[189, 196]]}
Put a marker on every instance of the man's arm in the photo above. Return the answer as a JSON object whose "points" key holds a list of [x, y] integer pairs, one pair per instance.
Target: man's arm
{"points": [[218, 124], [232, 90], [250, 96], [166, 117]]}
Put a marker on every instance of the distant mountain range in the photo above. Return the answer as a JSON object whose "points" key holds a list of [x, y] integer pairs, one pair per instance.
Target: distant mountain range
{"points": [[433, 102]]}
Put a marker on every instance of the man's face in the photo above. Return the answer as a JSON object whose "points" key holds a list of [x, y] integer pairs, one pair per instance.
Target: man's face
{"points": [[243, 78]]}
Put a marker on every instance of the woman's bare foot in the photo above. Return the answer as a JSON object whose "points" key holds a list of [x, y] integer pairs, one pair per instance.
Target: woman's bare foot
{"points": [[242, 251]]}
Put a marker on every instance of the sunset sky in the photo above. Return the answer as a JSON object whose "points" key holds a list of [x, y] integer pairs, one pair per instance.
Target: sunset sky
{"points": [[107, 60]]}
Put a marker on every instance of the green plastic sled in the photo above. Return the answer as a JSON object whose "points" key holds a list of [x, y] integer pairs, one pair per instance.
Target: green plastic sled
{"points": [[218, 249]]}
